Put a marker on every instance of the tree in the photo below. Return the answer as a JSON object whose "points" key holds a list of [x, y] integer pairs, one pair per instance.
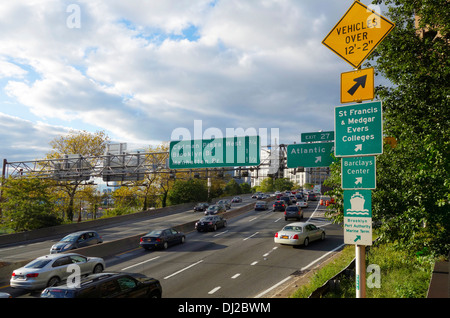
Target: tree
{"points": [[28, 204], [184, 191], [233, 188], [266, 185], [282, 184], [411, 201], [76, 142]]}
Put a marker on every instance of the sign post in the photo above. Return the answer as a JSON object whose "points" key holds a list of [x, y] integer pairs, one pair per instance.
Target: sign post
{"points": [[358, 128]]}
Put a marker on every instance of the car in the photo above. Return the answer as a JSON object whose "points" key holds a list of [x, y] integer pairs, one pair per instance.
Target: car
{"points": [[210, 223], [286, 199], [293, 198], [261, 205], [76, 240], [236, 200], [52, 269], [161, 238], [302, 203], [279, 206], [256, 195], [225, 203], [201, 206], [312, 197], [299, 233], [293, 212], [108, 285], [215, 209]]}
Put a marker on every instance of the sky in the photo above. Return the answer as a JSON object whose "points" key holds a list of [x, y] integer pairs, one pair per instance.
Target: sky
{"points": [[140, 69]]}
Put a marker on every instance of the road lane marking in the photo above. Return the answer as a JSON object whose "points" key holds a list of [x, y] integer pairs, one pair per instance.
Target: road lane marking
{"points": [[235, 276], [253, 219], [303, 268], [276, 220], [149, 260], [212, 291], [250, 236], [182, 270], [273, 249], [220, 233], [254, 263]]}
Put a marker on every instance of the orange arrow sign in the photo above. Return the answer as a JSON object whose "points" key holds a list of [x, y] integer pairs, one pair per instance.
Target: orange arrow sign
{"points": [[357, 85]]}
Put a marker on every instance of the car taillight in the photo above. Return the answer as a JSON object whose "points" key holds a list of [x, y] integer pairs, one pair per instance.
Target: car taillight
{"points": [[158, 240], [295, 237], [276, 234], [33, 275], [141, 239]]}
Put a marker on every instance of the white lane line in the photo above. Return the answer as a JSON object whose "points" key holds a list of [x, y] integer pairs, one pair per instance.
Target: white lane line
{"points": [[212, 291], [250, 236], [220, 233], [254, 263], [273, 249], [235, 276], [149, 260], [182, 270], [276, 220], [253, 219], [303, 268], [318, 204]]}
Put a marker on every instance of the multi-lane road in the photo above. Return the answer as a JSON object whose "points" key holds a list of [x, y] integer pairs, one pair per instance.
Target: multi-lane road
{"points": [[239, 261]]}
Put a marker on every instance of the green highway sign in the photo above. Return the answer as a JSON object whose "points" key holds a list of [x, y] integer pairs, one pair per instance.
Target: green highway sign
{"points": [[310, 155], [358, 172], [317, 136], [212, 153], [358, 129], [358, 217]]}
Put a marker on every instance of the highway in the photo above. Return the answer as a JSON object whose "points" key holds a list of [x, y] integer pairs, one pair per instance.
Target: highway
{"points": [[239, 261]]}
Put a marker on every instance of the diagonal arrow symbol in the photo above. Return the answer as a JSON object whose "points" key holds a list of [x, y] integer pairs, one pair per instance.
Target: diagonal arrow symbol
{"points": [[360, 81]]}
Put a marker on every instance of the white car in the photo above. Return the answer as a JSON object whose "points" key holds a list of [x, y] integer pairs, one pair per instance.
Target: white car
{"points": [[299, 233], [302, 203], [50, 270]]}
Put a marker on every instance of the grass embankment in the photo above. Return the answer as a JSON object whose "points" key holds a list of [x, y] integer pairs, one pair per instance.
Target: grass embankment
{"points": [[401, 275]]}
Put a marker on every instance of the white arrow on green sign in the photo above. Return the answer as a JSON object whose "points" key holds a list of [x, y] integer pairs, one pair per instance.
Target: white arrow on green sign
{"points": [[358, 130], [358, 172], [310, 155]]}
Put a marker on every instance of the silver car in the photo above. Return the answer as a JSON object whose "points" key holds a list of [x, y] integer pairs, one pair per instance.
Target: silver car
{"points": [[50, 270], [76, 240], [299, 233]]}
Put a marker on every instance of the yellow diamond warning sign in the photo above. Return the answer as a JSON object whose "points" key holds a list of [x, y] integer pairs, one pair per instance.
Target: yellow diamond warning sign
{"points": [[357, 34]]}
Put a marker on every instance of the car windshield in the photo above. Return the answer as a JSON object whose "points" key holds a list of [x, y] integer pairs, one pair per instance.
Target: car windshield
{"points": [[58, 293], [292, 228], [207, 219], [70, 238], [214, 207], [38, 263]]}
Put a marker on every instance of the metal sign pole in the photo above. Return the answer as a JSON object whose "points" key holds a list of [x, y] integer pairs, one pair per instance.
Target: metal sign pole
{"points": [[360, 275]]}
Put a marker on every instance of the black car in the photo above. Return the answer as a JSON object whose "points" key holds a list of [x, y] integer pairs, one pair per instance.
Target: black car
{"points": [[108, 285], [279, 206], [76, 240], [293, 212], [286, 199], [210, 223], [201, 206], [162, 238]]}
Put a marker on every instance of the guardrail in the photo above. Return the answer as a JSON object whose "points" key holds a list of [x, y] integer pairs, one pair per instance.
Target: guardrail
{"points": [[108, 249]]}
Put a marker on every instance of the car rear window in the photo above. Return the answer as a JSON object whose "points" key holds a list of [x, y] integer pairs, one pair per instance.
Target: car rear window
{"points": [[58, 293], [292, 208], [39, 263]]}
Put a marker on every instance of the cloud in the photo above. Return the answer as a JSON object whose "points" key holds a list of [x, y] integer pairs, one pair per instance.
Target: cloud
{"points": [[140, 69]]}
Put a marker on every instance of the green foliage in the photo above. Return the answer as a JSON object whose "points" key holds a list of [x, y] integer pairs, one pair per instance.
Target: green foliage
{"points": [[233, 188], [411, 201], [28, 205], [184, 191], [282, 184]]}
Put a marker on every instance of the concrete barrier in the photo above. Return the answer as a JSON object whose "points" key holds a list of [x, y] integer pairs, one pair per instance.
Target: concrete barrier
{"points": [[109, 249]]}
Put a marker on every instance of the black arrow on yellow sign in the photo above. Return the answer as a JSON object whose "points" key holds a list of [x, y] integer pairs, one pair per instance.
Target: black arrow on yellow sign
{"points": [[360, 81]]}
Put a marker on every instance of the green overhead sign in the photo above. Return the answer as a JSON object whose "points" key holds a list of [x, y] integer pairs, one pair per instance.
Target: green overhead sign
{"points": [[212, 153], [317, 136], [310, 155], [359, 130]]}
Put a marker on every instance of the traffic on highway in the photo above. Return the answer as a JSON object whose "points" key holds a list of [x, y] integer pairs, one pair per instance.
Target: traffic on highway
{"points": [[245, 255]]}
